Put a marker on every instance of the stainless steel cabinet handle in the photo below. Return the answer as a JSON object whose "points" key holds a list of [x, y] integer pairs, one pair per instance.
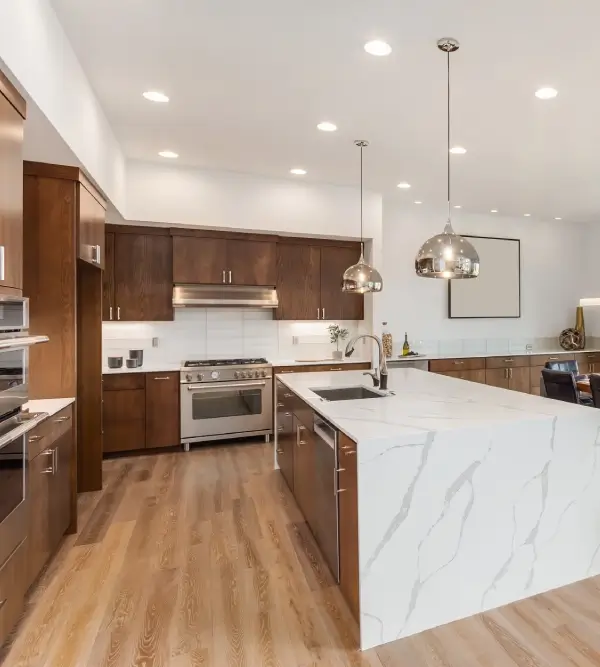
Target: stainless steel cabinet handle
{"points": [[280, 405], [288, 414], [346, 447], [335, 369], [118, 312], [288, 395], [553, 358], [458, 363], [323, 309], [280, 451], [301, 442], [55, 459], [510, 369], [35, 438], [340, 469], [110, 312], [508, 361], [3, 602], [220, 387], [62, 419], [2, 262], [163, 378], [98, 254], [280, 428], [229, 276], [341, 490], [352, 451], [50, 469], [318, 313]]}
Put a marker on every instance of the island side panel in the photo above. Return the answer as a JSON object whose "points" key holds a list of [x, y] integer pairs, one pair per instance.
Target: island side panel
{"points": [[453, 523]]}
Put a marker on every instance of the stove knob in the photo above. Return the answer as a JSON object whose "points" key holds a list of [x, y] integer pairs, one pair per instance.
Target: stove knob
{"points": [[256, 374], [243, 375], [188, 377], [200, 377], [263, 373], [236, 375]]}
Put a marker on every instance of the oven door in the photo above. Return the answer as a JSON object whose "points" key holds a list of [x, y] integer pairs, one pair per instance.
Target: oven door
{"points": [[223, 408], [13, 379], [13, 515]]}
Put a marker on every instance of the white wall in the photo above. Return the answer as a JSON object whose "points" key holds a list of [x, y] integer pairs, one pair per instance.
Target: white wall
{"points": [[34, 47], [553, 276]]}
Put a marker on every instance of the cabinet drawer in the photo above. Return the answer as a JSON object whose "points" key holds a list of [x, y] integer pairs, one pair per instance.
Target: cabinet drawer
{"points": [[124, 381], [468, 364], [543, 359], [507, 362], [590, 356], [44, 434], [323, 368], [471, 376], [12, 589]]}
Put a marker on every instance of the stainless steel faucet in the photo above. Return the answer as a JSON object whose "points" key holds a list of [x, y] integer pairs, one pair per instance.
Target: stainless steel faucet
{"points": [[382, 380]]}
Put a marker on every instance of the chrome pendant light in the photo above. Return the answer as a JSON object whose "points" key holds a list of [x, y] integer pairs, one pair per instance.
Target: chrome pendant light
{"points": [[362, 277], [447, 255]]}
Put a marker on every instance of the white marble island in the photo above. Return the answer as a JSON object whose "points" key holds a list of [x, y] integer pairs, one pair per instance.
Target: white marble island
{"points": [[469, 496]]}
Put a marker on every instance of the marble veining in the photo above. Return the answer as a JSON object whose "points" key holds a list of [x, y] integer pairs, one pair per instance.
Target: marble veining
{"points": [[470, 497]]}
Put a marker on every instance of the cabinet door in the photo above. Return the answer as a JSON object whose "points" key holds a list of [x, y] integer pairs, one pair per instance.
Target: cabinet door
{"points": [[285, 446], [39, 538], [335, 304], [304, 471], [11, 196], [298, 282], [348, 518], [162, 409], [520, 379], [92, 217], [143, 277], [471, 376], [497, 377], [124, 420], [108, 278], [60, 501], [199, 260], [252, 262]]}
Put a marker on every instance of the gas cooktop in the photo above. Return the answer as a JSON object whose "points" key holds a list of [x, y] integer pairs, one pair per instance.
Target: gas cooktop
{"points": [[224, 362]]}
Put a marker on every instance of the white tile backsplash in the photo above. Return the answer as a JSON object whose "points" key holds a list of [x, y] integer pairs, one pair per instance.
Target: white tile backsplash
{"points": [[216, 332]]}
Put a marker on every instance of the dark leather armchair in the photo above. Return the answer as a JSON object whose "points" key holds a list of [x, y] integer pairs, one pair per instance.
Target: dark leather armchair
{"points": [[595, 387], [560, 385]]}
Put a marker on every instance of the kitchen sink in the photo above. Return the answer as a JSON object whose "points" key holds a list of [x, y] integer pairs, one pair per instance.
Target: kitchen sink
{"points": [[347, 393]]}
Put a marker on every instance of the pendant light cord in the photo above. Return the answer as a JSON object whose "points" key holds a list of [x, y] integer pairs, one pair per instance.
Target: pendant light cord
{"points": [[362, 245], [448, 153]]}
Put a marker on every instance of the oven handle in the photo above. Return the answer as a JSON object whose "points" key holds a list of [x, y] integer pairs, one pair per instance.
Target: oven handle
{"points": [[221, 385]]}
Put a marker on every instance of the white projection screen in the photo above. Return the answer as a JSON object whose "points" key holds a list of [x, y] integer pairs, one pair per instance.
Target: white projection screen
{"points": [[496, 292]]}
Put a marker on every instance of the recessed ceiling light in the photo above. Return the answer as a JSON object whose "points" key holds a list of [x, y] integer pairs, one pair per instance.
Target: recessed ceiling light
{"points": [[403, 186], [169, 154], [546, 93], [297, 171], [457, 206], [558, 218], [155, 96], [326, 126], [458, 150], [494, 210], [527, 215], [377, 47], [418, 202]]}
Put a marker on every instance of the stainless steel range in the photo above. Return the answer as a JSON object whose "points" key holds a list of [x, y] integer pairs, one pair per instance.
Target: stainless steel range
{"points": [[226, 398]]}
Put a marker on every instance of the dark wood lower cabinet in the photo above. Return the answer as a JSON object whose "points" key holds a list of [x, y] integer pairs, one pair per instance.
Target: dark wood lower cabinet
{"points": [[348, 523], [304, 470], [124, 419], [286, 441], [13, 585], [162, 409], [50, 485], [140, 411]]}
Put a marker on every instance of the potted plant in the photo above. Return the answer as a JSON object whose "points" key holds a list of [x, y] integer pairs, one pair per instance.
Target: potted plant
{"points": [[336, 334]]}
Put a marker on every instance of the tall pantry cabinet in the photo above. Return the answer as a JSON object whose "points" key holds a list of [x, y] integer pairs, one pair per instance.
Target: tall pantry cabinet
{"points": [[64, 217]]}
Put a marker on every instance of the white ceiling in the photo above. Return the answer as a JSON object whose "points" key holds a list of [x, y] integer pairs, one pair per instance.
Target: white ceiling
{"points": [[249, 81]]}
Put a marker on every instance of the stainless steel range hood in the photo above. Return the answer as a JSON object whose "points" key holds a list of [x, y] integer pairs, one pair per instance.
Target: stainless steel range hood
{"points": [[226, 296]]}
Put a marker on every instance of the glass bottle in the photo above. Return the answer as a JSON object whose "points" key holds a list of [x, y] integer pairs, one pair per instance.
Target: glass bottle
{"points": [[406, 346], [387, 342]]}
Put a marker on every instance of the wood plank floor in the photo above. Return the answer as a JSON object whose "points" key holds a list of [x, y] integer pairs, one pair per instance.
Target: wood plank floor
{"points": [[203, 559]]}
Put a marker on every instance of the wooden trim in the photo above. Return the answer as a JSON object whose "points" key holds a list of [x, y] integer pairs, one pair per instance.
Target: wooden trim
{"points": [[65, 172], [137, 229], [464, 364], [10, 291], [217, 234], [306, 240], [13, 95]]}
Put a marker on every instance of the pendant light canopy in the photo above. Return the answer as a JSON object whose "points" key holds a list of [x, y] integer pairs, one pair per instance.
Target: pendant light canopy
{"points": [[362, 277], [447, 255]]}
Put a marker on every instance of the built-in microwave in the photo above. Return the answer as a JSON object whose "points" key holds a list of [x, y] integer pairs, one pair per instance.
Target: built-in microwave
{"points": [[14, 313]]}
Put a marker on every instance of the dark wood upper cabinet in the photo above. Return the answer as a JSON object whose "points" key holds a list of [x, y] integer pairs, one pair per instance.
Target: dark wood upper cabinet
{"points": [[143, 283], [298, 282], [92, 216], [221, 260], [162, 409], [251, 262], [198, 260], [11, 188], [108, 278], [335, 305]]}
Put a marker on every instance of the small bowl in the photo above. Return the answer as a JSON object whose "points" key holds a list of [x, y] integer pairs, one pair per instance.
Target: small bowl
{"points": [[132, 363], [115, 362]]}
